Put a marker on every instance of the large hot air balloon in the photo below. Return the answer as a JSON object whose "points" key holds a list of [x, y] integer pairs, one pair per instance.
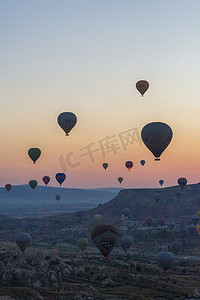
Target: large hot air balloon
{"points": [[182, 182], [176, 247], [120, 179], [67, 120], [126, 212], [171, 225], [105, 238], [161, 221], [195, 219], [142, 162], [126, 242], [97, 217], [60, 177], [157, 197], [33, 183], [178, 194], [34, 154], [23, 240], [142, 86], [8, 187], [156, 136], [161, 182], [46, 179], [105, 165], [129, 165], [57, 197], [165, 259], [149, 221], [82, 243]]}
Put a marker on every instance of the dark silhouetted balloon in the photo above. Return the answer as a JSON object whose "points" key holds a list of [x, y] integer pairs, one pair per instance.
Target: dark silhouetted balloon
{"points": [[129, 165], [60, 177], [126, 212], [161, 221], [149, 221], [157, 197], [23, 240], [82, 243], [33, 183], [126, 242], [46, 179], [142, 86], [105, 238], [161, 182], [120, 179], [156, 136], [105, 165], [8, 187], [67, 120], [178, 194], [171, 225], [34, 154], [142, 162], [165, 259], [182, 182], [176, 247], [57, 197]]}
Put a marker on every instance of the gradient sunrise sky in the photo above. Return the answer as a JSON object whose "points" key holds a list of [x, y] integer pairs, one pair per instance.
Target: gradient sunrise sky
{"points": [[85, 57]]}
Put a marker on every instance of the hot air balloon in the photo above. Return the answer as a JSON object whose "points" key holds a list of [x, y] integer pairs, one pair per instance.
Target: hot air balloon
{"points": [[8, 187], [142, 86], [126, 242], [97, 217], [142, 162], [33, 183], [60, 177], [123, 219], [195, 219], [182, 182], [197, 227], [34, 154], [157, 197], [82, 243], [161, 221], [67, 120], [23, 240], [178, 194], [129, 165], [126, 212], [176, 247], [156, 136], [105, 238], [149, 221], [171, 225], [46, 179], [105, 165], [120, 179], [57, 197], [161, 182], [165, 259]]}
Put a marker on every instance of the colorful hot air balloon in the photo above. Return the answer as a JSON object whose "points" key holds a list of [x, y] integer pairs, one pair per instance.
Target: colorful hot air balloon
{"points": [[126, 242], [97, 217], [129, 165], [161, 182], [67, 120], [197, 227], [195, 219], [176, 247], [34, 154], [60, 177], [157, 197], [120, 179], [33, 183], [82, 243], [57, 197], [142, 162], [165, 259], [182, 182], [161, 221], [46, 179], [142, 86], [156, 136], [149, 221], [178, 194], [105, 165], [8, 187], [126, 212], [171, 225], [105, 238], [23, 240]]}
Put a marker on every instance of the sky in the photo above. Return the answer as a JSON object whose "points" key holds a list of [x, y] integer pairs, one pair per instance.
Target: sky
{"points": [[85, 57]]}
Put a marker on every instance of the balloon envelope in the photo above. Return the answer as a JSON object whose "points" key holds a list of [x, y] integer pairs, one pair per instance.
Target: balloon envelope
{"points": [[60, 177], [82, 243], [33, 183], [105, 165], [178, 194], [57, 197], [157, 197], [8, 187], [34, 154], [142, 86], [197, 227], [165, 259], [23, 240], [105, 238], [67, 120], [171, 225], [161, 221], [126, 212], [156, 136], [126, 242], [161, 182], [46, 179], [149, 221], [97, 217], [120, 179], [182, 182], [129, 165], [176, 247], [142, 162]]}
